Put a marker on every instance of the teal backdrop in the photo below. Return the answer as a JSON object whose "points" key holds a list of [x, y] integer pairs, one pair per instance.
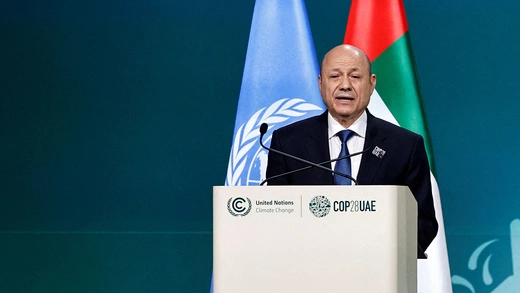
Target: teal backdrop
{"points": [[116, 120]]}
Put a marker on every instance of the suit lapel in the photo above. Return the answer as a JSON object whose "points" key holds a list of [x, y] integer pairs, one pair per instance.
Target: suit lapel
{"points": [[318, 149], [370, 162]]}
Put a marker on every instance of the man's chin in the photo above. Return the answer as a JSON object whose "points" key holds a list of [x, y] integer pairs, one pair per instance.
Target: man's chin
{"points": [[347, 114], [346, 118]]}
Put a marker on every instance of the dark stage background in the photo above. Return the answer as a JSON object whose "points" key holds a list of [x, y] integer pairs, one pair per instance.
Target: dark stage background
{"points": [[116, 120]]}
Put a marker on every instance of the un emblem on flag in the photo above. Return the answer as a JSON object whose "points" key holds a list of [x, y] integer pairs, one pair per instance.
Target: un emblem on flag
{"points": [[248, 161], [257, 168]]}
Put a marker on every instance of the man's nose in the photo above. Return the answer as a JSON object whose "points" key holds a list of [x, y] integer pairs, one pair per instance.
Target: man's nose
{"points": [[345, 84]]}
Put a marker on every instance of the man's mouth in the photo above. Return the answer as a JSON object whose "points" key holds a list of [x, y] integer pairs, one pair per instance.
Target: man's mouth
{"points": [[345, 98]]}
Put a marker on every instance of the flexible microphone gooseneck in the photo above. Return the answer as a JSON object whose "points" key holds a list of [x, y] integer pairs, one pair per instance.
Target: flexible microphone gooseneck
{"points": [[263, 130], [373, 132]]}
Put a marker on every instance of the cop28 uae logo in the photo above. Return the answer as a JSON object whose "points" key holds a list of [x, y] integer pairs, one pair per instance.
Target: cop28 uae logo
{"points": [[319, 206], [238, 207], [248, 161]]}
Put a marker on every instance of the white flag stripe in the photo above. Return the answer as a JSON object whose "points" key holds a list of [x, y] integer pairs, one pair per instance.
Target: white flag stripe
{"points": [[433, 274], [428, 270], [379, 109]]}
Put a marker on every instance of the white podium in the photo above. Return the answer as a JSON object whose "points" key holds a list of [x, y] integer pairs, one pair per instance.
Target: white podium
{"points": [[323, 239]]}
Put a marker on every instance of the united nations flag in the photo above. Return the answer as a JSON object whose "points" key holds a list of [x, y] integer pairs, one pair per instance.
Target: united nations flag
{"points": [[279, 84]]}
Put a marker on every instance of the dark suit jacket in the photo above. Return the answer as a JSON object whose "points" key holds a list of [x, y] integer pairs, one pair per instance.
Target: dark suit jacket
{"points": [[404, 163]]}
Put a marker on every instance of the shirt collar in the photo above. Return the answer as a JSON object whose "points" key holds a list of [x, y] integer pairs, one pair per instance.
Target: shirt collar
{"points": [[359, 126]]}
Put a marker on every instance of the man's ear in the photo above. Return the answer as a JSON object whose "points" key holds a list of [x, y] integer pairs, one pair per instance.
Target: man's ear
{"points": [[373, 81]]}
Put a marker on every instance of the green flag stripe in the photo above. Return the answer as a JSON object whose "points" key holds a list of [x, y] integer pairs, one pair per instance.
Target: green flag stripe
{"points": [[398, 86]]}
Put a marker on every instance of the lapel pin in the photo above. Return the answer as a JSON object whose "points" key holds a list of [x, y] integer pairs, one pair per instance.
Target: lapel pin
{"points": [[378, 152]]}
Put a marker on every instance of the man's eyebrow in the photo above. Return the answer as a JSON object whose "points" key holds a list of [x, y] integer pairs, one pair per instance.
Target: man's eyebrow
{"points": [[349, 69]]}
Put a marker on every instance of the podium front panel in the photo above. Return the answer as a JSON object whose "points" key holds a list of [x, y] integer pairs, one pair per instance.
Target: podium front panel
{"points": [[314, 239]]}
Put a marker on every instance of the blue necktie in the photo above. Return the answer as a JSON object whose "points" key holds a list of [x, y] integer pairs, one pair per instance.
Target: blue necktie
{"points": [[343, 165]]}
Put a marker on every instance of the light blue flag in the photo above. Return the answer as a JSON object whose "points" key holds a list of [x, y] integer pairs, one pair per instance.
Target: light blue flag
{"points": [[279, 85]]}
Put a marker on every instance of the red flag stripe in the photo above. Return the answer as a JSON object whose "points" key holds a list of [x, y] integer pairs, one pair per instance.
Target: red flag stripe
{"points": [[373, 25]]}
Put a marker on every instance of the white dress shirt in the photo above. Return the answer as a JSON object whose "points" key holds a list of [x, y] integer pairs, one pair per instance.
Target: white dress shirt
{"points": [[355, 143]]}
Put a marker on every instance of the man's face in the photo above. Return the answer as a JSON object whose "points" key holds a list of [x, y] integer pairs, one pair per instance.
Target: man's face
{"points": [[346, 84]]}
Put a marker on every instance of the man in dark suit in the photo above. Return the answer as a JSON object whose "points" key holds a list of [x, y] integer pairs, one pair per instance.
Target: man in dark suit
{"points": [[394, 156]]}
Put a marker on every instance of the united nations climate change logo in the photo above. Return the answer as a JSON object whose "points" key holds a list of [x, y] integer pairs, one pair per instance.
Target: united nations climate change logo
{"points": [[238, 206], [319, 206]]}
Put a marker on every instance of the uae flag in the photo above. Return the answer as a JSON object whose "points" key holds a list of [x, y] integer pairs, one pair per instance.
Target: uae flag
{"points": [[380, 29]]}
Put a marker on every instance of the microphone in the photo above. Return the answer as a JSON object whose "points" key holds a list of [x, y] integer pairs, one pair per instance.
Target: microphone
{"points": [[263, 130]]}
